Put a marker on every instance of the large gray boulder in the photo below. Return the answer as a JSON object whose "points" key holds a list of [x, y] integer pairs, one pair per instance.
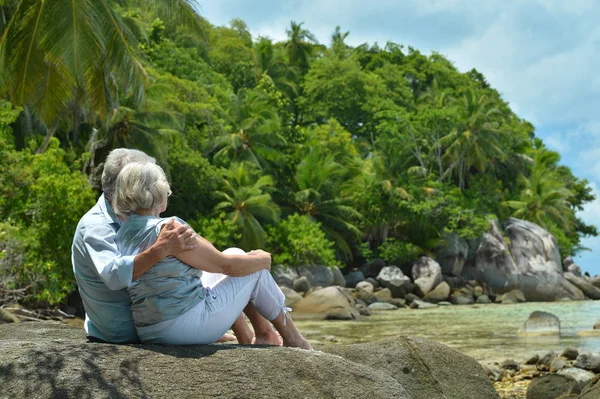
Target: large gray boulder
{"points": [[452, 255], [492, 262], [540, 323], [586, 287], [353, 277], [338, 277], [531, 263], [583, 377], [332, 303], [44, 360], [285, 275], [373, 268], [291, 296], [539, 267], [317, 275], [439, 293], [391, 277], [427, 370], [552, 386], [427, 274]]}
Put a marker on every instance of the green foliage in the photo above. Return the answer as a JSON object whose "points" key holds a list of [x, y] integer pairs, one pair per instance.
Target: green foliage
{"points": [[378, 150], [42, 199], [219, 230], [398, 252], [298, 241]]}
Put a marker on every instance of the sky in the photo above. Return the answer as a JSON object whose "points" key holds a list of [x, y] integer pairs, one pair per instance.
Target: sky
{"points": [[541, 55]]}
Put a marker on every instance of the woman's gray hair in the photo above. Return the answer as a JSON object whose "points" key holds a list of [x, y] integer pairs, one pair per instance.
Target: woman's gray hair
{"points": [[140, 185], [115, 162]]}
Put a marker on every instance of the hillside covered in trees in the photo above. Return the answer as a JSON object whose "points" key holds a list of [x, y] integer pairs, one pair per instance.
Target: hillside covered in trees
{"points": [[318, 152]]}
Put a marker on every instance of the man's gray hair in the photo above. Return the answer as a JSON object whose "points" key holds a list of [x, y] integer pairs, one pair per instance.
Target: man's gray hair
{"points": [[140, 185], [115, 161]]}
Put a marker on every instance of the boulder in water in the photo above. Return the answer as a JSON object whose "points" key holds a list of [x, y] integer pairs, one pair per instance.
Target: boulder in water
{"points": [[540, 323], [427, 274], [570, 353]]}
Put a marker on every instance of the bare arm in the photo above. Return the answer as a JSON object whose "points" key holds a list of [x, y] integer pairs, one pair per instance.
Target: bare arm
{"points": [[173, 238], [206, 257]]}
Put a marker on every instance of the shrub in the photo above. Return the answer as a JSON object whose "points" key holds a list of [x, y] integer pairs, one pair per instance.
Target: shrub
{"points": [[299, 240]]}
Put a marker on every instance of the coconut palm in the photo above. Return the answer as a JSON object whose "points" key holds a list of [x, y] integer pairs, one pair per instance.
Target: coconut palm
{"points": [[56, 56], [245, 198], [269, 63], [254, 132], [477, 141], [318, 177], [544, 196], [299, 45]]}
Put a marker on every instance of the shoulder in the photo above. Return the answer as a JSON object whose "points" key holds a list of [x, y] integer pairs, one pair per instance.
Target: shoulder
{"points": [[163, 221]]}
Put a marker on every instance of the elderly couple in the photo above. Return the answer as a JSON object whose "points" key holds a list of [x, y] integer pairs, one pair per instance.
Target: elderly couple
{"points": [[146, 279]]}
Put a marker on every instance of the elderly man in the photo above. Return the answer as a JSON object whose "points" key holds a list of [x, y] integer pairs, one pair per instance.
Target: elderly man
{"points": [[101, 272]]}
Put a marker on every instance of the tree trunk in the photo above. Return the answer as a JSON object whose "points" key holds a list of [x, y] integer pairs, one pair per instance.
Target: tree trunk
{"points": [[50, 133]]}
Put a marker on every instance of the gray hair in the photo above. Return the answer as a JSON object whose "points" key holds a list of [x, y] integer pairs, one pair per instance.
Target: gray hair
{"points": [[140, 185], [115, 161]]}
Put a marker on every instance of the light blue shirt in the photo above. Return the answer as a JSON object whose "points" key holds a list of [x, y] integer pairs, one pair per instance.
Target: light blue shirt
{"points": [[103, 274], [170, 288]]}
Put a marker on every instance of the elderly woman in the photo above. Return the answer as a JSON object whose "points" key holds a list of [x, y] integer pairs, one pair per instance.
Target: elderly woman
{"points": [[177, 304]]}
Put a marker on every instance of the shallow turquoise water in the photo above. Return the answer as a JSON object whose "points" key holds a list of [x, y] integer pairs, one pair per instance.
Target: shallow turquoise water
{"points": [[485, 332]]}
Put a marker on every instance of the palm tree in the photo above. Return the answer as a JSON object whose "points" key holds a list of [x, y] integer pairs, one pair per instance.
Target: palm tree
{"points": [[476, 142], [544, 198], [318, 177], [269, 63], [299, 45], [337, 41], [244, 196], [254, 133], [58, 55]]}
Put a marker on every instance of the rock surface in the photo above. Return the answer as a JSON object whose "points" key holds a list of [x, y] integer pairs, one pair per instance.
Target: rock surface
{"points": [[354, 277], [301, 284], [338, 277], [317, 275], [54, 360], [583, 377], [427, 274], [551, 386], [586, 287], [285, 275], [427, 370], [392, 277], [373, 268], [452, 255], [382, 306], [291, 296], [439, 293], [540, 323], [588, 361], [531, 263], [328, 303]]}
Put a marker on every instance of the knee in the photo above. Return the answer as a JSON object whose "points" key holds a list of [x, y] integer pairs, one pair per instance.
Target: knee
{"points": [[234, 251]]}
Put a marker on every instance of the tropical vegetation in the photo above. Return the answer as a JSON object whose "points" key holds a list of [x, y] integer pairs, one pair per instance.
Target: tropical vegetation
{"points": [[319, 152]]}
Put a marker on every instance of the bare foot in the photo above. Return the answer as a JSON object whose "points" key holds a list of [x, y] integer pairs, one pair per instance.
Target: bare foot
{"points": [[227, 338], [269, 337], [298, 343]]}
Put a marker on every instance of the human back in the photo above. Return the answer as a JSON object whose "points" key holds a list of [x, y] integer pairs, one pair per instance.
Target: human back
{"points": [[170, 288]]}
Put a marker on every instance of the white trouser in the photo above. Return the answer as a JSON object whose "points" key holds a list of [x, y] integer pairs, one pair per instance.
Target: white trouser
{"points": [[226, 297]]}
